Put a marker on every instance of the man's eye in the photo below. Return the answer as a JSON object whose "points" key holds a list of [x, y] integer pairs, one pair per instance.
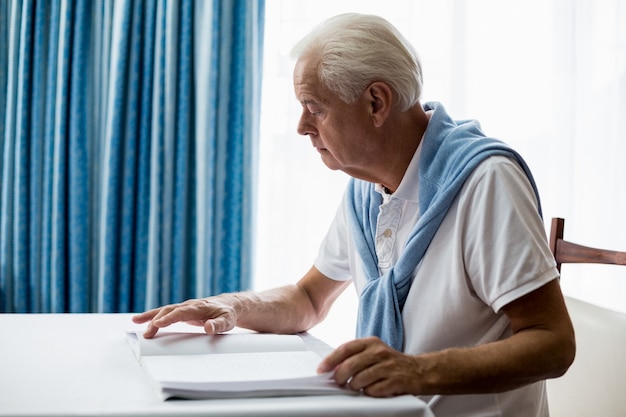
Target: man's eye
{"points": [[313, 110]]}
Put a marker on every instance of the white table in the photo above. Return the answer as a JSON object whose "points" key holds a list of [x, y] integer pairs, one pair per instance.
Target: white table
{"points": [[81, 365]]}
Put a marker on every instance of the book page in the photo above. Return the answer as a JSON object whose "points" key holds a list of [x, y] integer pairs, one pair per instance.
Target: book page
{"points": [[177, 343], [232, 367]]}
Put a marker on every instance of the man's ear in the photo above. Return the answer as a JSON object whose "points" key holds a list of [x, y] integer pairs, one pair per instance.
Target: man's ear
{"points": [[380, 97]]}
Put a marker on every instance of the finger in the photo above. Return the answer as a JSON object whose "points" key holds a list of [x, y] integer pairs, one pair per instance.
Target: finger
{"points": [[366, 379], [150, 331], [380, 388], [176, 313], [155, 324], [339, 355], [145, 316], [199, 323], [209, 327], [386, 374], [380, 381], [352, 367], [218, 325]]}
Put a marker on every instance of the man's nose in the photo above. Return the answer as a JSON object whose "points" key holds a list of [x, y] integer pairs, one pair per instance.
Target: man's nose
{"points": [[305, 127]]}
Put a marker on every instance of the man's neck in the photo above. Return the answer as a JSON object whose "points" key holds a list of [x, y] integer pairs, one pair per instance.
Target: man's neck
{"points": [[412, 126]]}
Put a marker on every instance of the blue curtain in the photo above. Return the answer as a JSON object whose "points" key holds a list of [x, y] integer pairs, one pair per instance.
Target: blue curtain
{"points": [[128, 141]]}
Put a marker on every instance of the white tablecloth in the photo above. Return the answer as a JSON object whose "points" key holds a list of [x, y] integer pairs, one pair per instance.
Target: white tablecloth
{"points": [[81, 365]]}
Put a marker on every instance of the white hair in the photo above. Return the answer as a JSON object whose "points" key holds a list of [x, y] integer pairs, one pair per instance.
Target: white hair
{"points": [[355, 50]]}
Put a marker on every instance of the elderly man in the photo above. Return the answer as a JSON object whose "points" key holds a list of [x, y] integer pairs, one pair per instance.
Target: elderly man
{"points": [[440, 231]]}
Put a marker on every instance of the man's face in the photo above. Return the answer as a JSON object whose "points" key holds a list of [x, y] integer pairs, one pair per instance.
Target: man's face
{"points": [[340, 132]]}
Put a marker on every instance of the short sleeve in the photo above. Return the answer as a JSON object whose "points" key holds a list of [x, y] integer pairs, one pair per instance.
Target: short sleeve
{"points": [[333, 255], [506, 252]]}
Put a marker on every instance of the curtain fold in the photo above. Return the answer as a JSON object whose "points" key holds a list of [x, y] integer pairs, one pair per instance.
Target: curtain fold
{"points": [[128, 132]]}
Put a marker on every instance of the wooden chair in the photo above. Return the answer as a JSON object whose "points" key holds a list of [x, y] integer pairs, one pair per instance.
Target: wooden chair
{"points": [[568, 252], [595, 384]]}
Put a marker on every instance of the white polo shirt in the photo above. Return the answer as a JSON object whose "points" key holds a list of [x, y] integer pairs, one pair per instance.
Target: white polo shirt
{"points": [[490, 250]]}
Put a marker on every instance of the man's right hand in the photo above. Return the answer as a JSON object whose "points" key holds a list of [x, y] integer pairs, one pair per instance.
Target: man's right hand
{"points": [[215, 314]]}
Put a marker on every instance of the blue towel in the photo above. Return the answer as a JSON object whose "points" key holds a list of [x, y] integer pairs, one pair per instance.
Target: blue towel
{"points": [[451, 150]]}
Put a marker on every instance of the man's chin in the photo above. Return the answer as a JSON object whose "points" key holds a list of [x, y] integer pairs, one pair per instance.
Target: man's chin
{"points": [[330, 162]]}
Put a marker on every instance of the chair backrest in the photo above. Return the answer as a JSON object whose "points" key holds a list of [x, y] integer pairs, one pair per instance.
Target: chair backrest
{"points": [[568, 252], [594, 385]]}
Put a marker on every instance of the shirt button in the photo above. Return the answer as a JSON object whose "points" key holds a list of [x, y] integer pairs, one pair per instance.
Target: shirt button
{"points": [[387, 233]]}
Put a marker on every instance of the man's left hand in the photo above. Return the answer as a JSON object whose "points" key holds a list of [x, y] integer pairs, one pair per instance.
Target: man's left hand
{"points": [[374, 367]]}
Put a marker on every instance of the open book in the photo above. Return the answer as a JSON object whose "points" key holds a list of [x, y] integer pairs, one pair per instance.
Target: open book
{"points": [[196, 365]]}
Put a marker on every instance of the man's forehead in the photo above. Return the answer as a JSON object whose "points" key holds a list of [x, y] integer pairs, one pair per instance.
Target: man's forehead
{"points": [[309, 89]]}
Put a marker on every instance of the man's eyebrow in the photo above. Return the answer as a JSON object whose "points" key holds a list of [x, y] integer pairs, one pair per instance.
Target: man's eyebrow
{"points": [[306, 101]]}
